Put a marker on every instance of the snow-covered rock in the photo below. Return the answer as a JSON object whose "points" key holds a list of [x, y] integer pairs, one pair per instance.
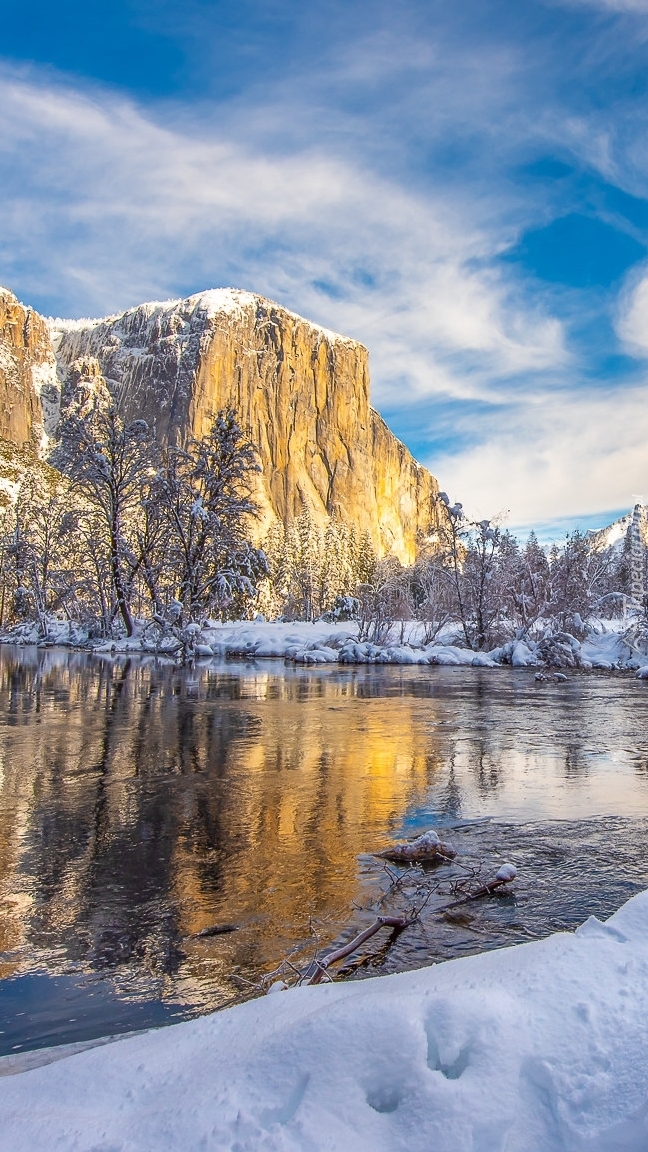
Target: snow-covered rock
{"points": [[522, 656], [425, 847]]}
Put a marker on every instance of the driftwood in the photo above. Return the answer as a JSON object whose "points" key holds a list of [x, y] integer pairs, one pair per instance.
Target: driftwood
{"points": [[318, 968], [506, 875], [424, 849], [315, 973], [214, 930]]}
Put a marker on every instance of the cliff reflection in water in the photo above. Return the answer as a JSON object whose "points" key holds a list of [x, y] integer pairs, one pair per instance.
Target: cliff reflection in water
{"points": [[140, 804]]}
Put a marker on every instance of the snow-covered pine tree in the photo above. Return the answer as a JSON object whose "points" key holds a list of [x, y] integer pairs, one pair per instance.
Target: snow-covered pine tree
{"points": [[311, 568], [363, 557], [579, 576], [205, 493], [307, 577]]}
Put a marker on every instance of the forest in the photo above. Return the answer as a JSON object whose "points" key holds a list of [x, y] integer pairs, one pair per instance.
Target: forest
{"points": [[123, 529]]}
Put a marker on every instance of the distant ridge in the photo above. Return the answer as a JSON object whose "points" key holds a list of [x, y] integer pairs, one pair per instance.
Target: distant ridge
{"points": [[614, 535]]}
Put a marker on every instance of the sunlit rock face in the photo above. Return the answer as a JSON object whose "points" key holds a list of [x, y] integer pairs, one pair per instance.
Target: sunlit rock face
{"points": [[302, 391], [28, 387]]}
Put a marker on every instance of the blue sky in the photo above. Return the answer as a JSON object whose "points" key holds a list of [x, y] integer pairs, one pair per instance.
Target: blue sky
{"points": [[461, 186]]}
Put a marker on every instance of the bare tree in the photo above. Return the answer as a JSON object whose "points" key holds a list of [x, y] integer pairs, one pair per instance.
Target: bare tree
{"points": [[39, 557], [110, 463], [431, 595], [580, 575], [526, 586]]}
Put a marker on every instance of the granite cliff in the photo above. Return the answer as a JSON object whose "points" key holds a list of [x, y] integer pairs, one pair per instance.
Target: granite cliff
{"points": [[302, 391], [28, 394], [28, 378]]}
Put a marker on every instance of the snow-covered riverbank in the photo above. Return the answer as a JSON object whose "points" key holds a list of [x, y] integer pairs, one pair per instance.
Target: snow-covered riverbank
{"points": [[535, 1048], [607, 645]]}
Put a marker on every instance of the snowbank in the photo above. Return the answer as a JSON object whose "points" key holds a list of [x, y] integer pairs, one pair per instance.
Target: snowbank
{"points": [[606, 647], [534, 1048]]}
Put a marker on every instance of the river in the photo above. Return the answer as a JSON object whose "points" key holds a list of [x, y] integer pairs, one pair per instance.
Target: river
{"points": [[141, 804]]}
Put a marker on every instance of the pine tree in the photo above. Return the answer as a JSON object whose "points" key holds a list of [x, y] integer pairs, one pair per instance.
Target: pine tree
{"points": [[205, 493]]}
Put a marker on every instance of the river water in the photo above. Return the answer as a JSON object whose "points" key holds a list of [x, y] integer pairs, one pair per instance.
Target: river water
{"points": [[141, 804]]}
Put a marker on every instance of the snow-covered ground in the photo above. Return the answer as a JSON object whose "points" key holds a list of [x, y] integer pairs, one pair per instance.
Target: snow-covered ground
{"points": [[536, 1048], [611, 644]]}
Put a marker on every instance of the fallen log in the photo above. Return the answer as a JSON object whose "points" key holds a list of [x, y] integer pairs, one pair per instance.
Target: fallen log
{"points": [[315, 973], [318, 968]]}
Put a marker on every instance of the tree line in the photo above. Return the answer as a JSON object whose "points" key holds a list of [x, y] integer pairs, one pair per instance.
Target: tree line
{"points": [[477, 578], [126, 528]]}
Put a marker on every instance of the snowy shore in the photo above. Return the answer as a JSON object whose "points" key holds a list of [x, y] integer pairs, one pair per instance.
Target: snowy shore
{"points": [[608, 645], [534, 1048]]}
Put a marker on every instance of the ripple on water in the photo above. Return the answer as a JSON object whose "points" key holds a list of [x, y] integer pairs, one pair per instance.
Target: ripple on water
{"points": [[140, 805]]}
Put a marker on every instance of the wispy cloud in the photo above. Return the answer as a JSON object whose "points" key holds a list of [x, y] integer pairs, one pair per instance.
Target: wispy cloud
{"points": [[574, 456], [632, 318], [374, 186], [638, 6], [132, 208]]}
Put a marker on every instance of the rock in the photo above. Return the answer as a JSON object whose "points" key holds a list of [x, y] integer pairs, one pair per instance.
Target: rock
{"points": [[302, 391], [560, 651], [28, 381], [424, 848], [215, 930]]}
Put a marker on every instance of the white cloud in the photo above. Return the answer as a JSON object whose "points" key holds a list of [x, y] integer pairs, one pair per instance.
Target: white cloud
{"points": [[113, 207], [574, 456], [308, 194], [632, 321], [640, 6]]}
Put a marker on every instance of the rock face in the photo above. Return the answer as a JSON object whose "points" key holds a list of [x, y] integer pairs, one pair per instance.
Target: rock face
{"points": [[302, 391], [28, 386]]}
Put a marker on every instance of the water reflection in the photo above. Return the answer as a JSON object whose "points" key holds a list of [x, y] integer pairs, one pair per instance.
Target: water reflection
{"points": [[139, 804]]}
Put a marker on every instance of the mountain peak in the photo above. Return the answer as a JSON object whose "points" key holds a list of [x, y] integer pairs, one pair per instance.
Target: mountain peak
{"points": [[208, 305]]}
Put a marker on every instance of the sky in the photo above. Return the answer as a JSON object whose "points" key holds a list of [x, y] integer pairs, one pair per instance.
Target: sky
{"points": [[461, 186]]}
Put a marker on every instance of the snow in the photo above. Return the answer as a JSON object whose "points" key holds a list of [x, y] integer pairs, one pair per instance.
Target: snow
{"points": [[326, 643], [611, 536], [608, 646], [534, 1048], [213, 302]]}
